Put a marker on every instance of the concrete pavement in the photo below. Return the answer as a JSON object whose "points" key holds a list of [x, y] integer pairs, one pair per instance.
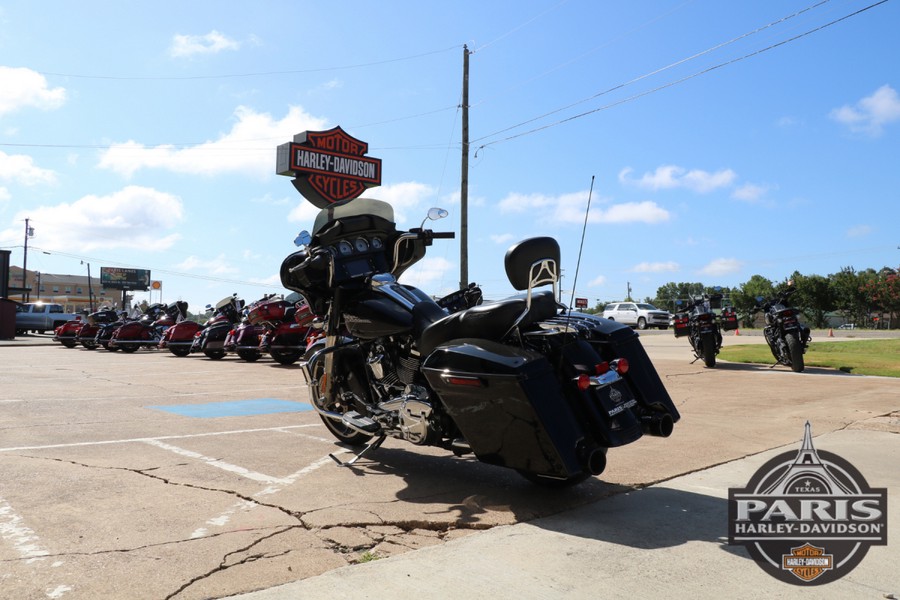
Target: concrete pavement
{"points": [[666, 540]]}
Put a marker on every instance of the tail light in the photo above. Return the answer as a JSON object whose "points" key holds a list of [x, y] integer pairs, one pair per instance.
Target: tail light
{"points": [[605, 373]]}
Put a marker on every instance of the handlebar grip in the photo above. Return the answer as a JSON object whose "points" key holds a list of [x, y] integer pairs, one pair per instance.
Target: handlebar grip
{"points": [[446, 235]]}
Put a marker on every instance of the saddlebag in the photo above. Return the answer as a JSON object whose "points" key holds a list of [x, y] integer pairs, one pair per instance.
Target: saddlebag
{"points": [[614, 340], [509, 406], [729, 319], [682, 325]]}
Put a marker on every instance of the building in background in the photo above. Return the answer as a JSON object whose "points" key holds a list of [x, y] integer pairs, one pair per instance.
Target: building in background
{"points": [[69, 290]]}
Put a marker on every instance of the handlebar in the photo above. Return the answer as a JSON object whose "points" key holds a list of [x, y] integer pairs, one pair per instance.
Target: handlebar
{"points": [[443, 235]]}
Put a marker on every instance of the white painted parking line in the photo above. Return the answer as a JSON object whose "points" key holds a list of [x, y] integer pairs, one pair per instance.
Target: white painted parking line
{"points": [[219, 464], [222, 519], [24, 541], [158, 438]]}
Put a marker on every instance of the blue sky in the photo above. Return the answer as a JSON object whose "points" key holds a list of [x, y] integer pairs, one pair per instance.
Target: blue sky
{"points": [[724, 139]]}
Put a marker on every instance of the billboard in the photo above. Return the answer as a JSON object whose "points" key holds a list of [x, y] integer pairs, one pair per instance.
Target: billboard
{"points": [[125, 279]]}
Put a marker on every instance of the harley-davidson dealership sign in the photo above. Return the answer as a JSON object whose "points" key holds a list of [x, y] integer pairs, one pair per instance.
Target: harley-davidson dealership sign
{"points": [[328, 166]]}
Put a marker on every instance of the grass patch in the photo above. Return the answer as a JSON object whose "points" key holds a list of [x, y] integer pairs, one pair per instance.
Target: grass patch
{"points": [[862, 357], [368, 556]]}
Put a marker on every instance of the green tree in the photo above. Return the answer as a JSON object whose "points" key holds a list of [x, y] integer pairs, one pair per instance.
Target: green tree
{"points": [[815, 297], [883, 293], [744, 297], [668, 295]]}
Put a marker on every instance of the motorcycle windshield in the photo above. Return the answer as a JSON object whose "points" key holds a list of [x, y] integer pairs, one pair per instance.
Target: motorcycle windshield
{"points": [[352, 208]]}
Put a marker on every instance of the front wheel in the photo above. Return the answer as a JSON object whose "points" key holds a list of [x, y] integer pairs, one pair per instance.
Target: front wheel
{"points": [[795, 350], [642, 323], [67, 343], [214, 354], [344, 433], [179, 350]]}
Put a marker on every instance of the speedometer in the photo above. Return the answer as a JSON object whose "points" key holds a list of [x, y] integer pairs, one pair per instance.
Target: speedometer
{"points": [[344, 247], [361, 245], [376, 243]]}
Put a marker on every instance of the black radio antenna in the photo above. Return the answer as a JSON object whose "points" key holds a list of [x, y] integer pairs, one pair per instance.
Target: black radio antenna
{"points": [[581, 246]]}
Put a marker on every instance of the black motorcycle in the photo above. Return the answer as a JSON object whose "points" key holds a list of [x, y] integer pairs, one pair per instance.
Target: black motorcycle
{"points": [[788, 339], [521, 382], [210, 339], [700, 323]]}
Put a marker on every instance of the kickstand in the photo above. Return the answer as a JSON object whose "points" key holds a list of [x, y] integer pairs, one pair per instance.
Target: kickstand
{"points": [[370, 446]]}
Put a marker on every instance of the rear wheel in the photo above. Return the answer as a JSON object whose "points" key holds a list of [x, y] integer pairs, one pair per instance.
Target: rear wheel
{"points": [[285, 357], [179, 350], [708, 342], [129, 348], [67, 343], [214, 354], [795, 349], [249, 355]]}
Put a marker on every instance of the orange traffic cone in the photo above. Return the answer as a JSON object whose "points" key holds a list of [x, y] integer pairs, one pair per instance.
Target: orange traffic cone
{"points": [[831, 333], [737, 332]]}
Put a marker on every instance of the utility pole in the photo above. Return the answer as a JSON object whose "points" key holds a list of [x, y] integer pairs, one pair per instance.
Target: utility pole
{"points": [[628, 297], [464, 179], [29, 231]]}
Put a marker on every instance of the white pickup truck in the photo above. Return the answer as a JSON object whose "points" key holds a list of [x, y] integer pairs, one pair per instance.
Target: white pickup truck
{"points": [[40, 317]]}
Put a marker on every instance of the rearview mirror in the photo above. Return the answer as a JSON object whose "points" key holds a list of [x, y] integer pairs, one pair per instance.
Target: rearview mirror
{"points": [[303, 238]]}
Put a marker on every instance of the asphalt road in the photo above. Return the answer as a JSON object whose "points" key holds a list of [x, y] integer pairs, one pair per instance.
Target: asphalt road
{"points": [[152, 476]]}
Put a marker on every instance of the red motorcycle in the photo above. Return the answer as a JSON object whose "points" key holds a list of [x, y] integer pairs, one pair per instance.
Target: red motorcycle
{"points": [[179, 337], [147, 330], [245, 336], [87, 335], [67, 333], [288, 327]]}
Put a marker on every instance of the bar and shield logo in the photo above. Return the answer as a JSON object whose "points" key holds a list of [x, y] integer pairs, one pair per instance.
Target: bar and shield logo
{"points": [[807, 517]]}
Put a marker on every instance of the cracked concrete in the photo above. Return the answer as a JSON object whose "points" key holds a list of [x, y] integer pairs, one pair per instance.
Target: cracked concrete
{"points": [[228, 505]]}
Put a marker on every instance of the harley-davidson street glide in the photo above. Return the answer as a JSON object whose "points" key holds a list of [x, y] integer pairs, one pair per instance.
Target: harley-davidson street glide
{"points": [[522, 383]]}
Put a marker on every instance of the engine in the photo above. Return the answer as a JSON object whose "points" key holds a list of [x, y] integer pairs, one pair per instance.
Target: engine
{"points": [[405, 409]]}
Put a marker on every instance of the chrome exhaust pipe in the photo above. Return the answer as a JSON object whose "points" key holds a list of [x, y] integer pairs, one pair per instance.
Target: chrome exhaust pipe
{"points": [[595, 461], [658, 424]]}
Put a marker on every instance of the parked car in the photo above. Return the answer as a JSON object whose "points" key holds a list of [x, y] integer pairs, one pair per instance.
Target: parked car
{"points": [[637, 314], [848, 326], [40, 317]]}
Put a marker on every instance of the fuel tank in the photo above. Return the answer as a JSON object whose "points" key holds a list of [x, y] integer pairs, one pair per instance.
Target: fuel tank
{"points": [[386, 309]]}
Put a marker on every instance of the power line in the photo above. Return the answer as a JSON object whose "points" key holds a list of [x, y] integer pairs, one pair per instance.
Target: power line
{"points": [[251, 74], [666, 85]]}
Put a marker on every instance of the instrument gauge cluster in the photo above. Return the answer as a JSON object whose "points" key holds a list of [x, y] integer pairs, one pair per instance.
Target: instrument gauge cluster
{"points": [[361, 244]]}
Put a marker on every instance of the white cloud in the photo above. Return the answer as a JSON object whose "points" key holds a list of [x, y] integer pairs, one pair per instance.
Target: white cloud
{"points": [[872, 113], [210, 43], [133, 217], [859, 231], [4, 194], [406, 198], [216, 266], [672, 177], [20, 168], [21, 87], [750, 192], [656, 267], [569, 208], [249, 147], [502, 238], [597, 281], [428, 271], [722, 266]]}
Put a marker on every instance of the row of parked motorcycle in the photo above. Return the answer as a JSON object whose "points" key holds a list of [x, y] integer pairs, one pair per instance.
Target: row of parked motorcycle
{"points": [[272, 325], [787, 338]]}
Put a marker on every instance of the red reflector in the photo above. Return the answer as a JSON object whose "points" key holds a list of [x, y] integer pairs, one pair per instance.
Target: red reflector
{"points": [[601, 368], [621, 366], [584, 382], [468, 381]]}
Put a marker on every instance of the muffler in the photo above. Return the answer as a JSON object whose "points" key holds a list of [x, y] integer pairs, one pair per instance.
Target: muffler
{"points": [[658, 424]]}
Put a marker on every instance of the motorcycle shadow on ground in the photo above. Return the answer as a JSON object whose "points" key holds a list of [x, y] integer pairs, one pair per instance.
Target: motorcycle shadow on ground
{"points": [[768, 368], [464, 493]]}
